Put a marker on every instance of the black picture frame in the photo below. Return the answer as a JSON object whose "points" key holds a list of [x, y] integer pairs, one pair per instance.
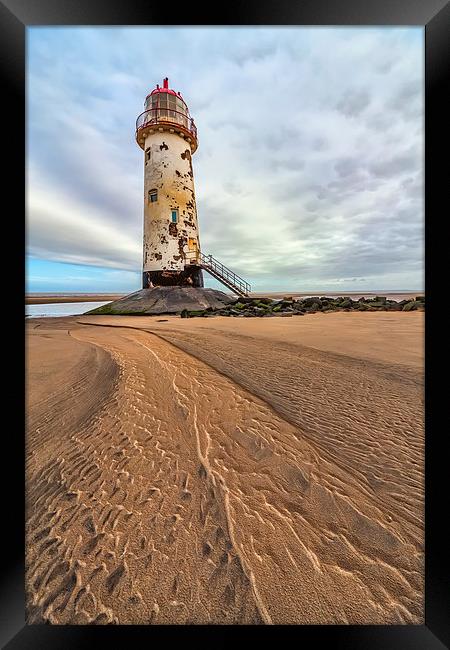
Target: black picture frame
{"points": [[434, 15]]}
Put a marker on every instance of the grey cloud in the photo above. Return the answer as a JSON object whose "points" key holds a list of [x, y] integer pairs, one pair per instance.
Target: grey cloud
{"points": [[75, 246], [384, 67], [312, 206], [291, 163], [283, 136], [408, 92], [320, 144], [232, 187], [353, 102], [389, 167], [381, 122], [346, 166]]}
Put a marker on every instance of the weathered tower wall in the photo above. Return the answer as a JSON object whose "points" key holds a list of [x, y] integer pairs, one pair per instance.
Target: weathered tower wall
{"points": [[171, 248]]}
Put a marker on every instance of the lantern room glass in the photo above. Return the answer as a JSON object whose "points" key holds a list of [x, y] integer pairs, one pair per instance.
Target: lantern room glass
{"points": [[167, 107]]}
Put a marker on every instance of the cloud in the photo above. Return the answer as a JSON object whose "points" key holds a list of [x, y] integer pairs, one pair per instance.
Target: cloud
{"points": [[309, 167], [77, 232], [353, 102]]}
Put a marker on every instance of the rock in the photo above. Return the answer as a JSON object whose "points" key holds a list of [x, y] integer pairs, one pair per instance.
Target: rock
{"points": [[191, 302], [244, 299], [308, 302], [166, 300]]}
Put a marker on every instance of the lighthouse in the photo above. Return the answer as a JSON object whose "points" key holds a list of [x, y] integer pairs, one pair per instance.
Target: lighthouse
{"points": [[173, 263], [167, 135]]}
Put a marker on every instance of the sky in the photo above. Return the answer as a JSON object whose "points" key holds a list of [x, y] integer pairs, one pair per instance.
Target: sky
{"points": [[309, 171]]}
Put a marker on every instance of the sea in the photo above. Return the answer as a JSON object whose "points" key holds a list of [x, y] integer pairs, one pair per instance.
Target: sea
{"points": [[61, 309]]}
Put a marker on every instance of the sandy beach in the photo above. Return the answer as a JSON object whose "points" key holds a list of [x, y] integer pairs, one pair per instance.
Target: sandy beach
{"points": [[225, 470]]}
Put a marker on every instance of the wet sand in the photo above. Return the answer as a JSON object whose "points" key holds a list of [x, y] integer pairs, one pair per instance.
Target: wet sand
{"points": [[225, 470]]}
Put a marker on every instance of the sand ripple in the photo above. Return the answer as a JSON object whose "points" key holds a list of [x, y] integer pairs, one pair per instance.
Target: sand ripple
{"points": [[248, 483]]}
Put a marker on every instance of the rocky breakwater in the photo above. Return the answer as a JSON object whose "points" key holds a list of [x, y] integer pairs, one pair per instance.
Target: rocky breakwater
{"points": [[268, 308]]}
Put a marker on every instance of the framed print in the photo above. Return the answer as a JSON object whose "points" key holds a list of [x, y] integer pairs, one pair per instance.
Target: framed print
{"points": [[231, 419]]}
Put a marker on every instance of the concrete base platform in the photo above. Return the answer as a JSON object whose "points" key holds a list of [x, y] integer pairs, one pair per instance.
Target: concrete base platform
{"points": [[166, 300]]}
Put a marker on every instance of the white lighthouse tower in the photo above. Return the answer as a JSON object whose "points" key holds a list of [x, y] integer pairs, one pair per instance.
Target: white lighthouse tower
{"points": [[168, 136], [173, 264]]}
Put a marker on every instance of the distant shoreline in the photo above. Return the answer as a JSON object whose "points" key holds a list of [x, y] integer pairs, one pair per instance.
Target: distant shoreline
{"points": [[393, 295], [52, 298], [42, 299]]}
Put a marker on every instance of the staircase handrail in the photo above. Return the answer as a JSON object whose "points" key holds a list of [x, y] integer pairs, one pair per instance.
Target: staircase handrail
{"points": [[225, 271]]}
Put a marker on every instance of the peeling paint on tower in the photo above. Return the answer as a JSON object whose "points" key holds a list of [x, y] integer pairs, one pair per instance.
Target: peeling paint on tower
{"points": [[168, 136]]}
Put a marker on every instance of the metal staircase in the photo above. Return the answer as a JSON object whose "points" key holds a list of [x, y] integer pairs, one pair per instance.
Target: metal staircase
{"points": [[224, 275]]}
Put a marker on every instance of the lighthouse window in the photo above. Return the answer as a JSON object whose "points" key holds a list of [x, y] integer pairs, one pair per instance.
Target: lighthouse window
{"points": [[153, 196], [147, 155], [174, 216]]}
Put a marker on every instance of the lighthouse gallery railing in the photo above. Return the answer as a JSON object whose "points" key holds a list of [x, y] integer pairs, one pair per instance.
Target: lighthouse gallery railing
{"points": [[158, 115]]}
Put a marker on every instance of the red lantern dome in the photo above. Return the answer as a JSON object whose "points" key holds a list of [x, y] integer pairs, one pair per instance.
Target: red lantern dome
{"points": [[165, 108], [165, 89]]}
